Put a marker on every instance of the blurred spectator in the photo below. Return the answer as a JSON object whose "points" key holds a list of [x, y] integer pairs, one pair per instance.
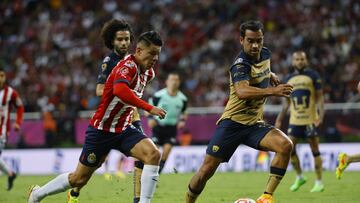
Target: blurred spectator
{"points": [[185, 138], [53, 47], [50, 129]]}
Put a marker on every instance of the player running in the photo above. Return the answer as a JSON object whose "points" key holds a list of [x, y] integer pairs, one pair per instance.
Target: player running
{"points": [[110, 127]]}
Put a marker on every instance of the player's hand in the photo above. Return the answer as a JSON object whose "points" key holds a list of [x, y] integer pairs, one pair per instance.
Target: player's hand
{"points": [[16, 127], [158, 112], [181, 124], [283, 90], [318, 122], [274, 79], [152, 122]]}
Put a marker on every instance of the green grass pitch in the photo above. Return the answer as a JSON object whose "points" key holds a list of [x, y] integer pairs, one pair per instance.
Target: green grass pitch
{"points": [[223, 187]]}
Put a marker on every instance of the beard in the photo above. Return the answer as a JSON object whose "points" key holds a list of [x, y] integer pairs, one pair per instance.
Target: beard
{"points": [[121, 52]]}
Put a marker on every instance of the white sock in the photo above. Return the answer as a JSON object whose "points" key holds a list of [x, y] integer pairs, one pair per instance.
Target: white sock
{"points": [[149, 178], [56, 185], [317, 182], [298, 177], [4, 168]]}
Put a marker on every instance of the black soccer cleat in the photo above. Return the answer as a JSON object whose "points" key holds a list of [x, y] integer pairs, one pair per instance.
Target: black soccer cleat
{"points": [[11, 181]]}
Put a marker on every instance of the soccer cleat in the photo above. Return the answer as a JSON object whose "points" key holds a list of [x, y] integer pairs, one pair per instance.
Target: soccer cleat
{"points": [[72, 199], [298, 183], [318, 187], [136, 199], [342, 165], [31, 198], [265, 198], [11, 181]]}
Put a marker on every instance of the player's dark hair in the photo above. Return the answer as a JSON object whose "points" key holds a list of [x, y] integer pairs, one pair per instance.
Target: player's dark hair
{"points": [[251, 25], [173, 73], [150, 37], [108, 32], [2, 69]]}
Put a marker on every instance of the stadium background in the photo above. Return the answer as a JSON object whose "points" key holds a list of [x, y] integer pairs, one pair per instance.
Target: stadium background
{"points": [[51, 50]]}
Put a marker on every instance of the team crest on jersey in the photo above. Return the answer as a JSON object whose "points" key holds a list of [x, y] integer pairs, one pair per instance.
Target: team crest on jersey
{"points": [[106, 59], [215, 148], [124, 71], [91, 158], [129, 64], [103, 67]]}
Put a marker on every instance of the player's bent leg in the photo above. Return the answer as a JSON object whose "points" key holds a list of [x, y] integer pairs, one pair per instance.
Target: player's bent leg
{"points": [[63, 182], [149, 154], [166, 151], [73, 194], [198, 181], [278, 142]]}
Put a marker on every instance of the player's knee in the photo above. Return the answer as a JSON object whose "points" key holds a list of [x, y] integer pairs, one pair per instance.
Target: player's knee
{"points": [[286, 147], [153, 156]]}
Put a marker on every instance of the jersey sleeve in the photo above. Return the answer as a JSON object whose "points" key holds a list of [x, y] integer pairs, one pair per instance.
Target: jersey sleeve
{"points": [[14, 99], [239, 72], [317, 80], [125, 73], [104, 71], [184, 106]]}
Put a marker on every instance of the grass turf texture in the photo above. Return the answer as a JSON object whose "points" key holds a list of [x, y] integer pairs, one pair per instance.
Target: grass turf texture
{"points": [[223, 187]]}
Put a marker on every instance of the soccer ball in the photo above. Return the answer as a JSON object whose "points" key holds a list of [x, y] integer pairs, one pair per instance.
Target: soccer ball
{"points": [[245, 200]]}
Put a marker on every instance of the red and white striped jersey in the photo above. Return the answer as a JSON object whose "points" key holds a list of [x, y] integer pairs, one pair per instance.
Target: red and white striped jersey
{"points": [[112, 114], [8, 99]]}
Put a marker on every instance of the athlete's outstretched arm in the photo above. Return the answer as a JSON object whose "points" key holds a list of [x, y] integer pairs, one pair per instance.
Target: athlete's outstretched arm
{"points": [[245, 91], [123, 91]]}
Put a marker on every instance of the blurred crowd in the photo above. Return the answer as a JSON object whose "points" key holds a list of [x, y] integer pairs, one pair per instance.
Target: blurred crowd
{"points": [[52, 49]]}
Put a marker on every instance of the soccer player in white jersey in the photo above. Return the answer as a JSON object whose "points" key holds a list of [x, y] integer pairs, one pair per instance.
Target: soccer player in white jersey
{"points": [[9, 98], [110, 127]]}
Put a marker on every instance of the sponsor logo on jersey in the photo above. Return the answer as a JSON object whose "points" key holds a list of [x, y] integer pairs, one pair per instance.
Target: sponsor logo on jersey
{"points": [[106, 59], [239, 60], [129, 64]]}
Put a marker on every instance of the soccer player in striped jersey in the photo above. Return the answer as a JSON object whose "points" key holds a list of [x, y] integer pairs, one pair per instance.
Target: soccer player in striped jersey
{"points": [[242, 121], [117, 36], [306, 114], [9, 98], [110, 126], [174, 102]]}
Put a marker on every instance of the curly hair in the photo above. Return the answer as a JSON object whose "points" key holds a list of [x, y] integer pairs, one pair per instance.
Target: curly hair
{"points": [[108, 32]]}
